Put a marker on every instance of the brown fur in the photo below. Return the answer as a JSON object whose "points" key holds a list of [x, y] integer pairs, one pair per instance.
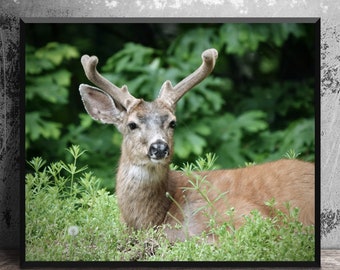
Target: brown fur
{"points": [[246, 189]]}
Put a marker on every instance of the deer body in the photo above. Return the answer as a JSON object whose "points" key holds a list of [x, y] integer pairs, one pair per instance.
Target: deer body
{"points": [[245, 189], [150, 195]]}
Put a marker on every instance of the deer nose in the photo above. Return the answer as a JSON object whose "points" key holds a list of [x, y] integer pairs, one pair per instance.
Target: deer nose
{"points": [[158, 150]]}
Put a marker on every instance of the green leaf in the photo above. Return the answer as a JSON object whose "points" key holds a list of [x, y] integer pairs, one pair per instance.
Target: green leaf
{"points": [[57, 52], [188, 142], [37, 127], [252, 121]]}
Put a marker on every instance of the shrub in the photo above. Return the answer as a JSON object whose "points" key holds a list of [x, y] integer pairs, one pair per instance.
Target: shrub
{"points": [[68, 217]]}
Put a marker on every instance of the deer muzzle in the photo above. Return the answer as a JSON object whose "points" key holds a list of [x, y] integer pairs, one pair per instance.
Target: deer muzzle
{"points": [[158, 150]]}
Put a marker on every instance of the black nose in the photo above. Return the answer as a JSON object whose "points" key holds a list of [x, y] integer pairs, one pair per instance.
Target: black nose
{"points": [[158, 150]]}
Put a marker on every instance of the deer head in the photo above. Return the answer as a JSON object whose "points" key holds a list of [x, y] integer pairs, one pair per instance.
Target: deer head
{"points": [[147, 127]]}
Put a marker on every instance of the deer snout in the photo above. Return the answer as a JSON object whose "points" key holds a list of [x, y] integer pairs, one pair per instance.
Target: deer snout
{"points": [[158, 150]]}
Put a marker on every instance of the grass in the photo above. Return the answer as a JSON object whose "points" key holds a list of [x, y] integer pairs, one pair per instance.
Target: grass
{"points": [[69, 218]]}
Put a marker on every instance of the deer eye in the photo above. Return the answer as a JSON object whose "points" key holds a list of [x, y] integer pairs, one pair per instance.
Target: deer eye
{"points": [[132, 125], [172, 124]]}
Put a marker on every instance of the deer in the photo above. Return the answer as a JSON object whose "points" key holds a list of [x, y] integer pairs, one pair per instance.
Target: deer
{"points": [[150, 195]]}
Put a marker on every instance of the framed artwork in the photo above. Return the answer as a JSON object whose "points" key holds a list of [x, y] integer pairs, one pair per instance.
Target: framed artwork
{"points": [[183, 141]]}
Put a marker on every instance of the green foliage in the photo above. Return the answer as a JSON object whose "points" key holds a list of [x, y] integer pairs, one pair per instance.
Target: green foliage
{"points": [[68, 217], [291, 154], [245, 38], [259, 239], [51, 120], [64, 203], [201, 164], [47, 89], [256, 105]]}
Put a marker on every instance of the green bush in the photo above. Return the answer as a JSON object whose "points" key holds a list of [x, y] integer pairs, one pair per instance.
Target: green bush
{"points": [[68, 217], [47, 90]]}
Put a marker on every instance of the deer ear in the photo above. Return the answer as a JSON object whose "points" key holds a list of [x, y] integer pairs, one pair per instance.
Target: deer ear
{"points": [[100, 106]]}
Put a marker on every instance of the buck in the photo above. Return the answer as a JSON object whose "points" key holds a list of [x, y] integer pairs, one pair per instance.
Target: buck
{"points": [[150, 194]]}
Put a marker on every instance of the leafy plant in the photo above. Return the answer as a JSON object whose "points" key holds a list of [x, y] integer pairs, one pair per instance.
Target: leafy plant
{"points": [[68, 217], [47, 83]]}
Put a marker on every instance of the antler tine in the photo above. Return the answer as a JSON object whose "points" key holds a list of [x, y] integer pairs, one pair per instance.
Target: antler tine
{"points": [[120, 95], [171, 95]]}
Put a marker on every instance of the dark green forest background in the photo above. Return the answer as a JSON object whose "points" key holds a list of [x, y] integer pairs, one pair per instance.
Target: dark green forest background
{"points": [[257, 105]]}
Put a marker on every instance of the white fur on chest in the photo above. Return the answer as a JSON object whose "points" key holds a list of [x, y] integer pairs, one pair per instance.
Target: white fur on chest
{"points": [[143, 175]]}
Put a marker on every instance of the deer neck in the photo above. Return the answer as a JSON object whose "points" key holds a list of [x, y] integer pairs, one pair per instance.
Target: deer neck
{"points": [[141, 193]]}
